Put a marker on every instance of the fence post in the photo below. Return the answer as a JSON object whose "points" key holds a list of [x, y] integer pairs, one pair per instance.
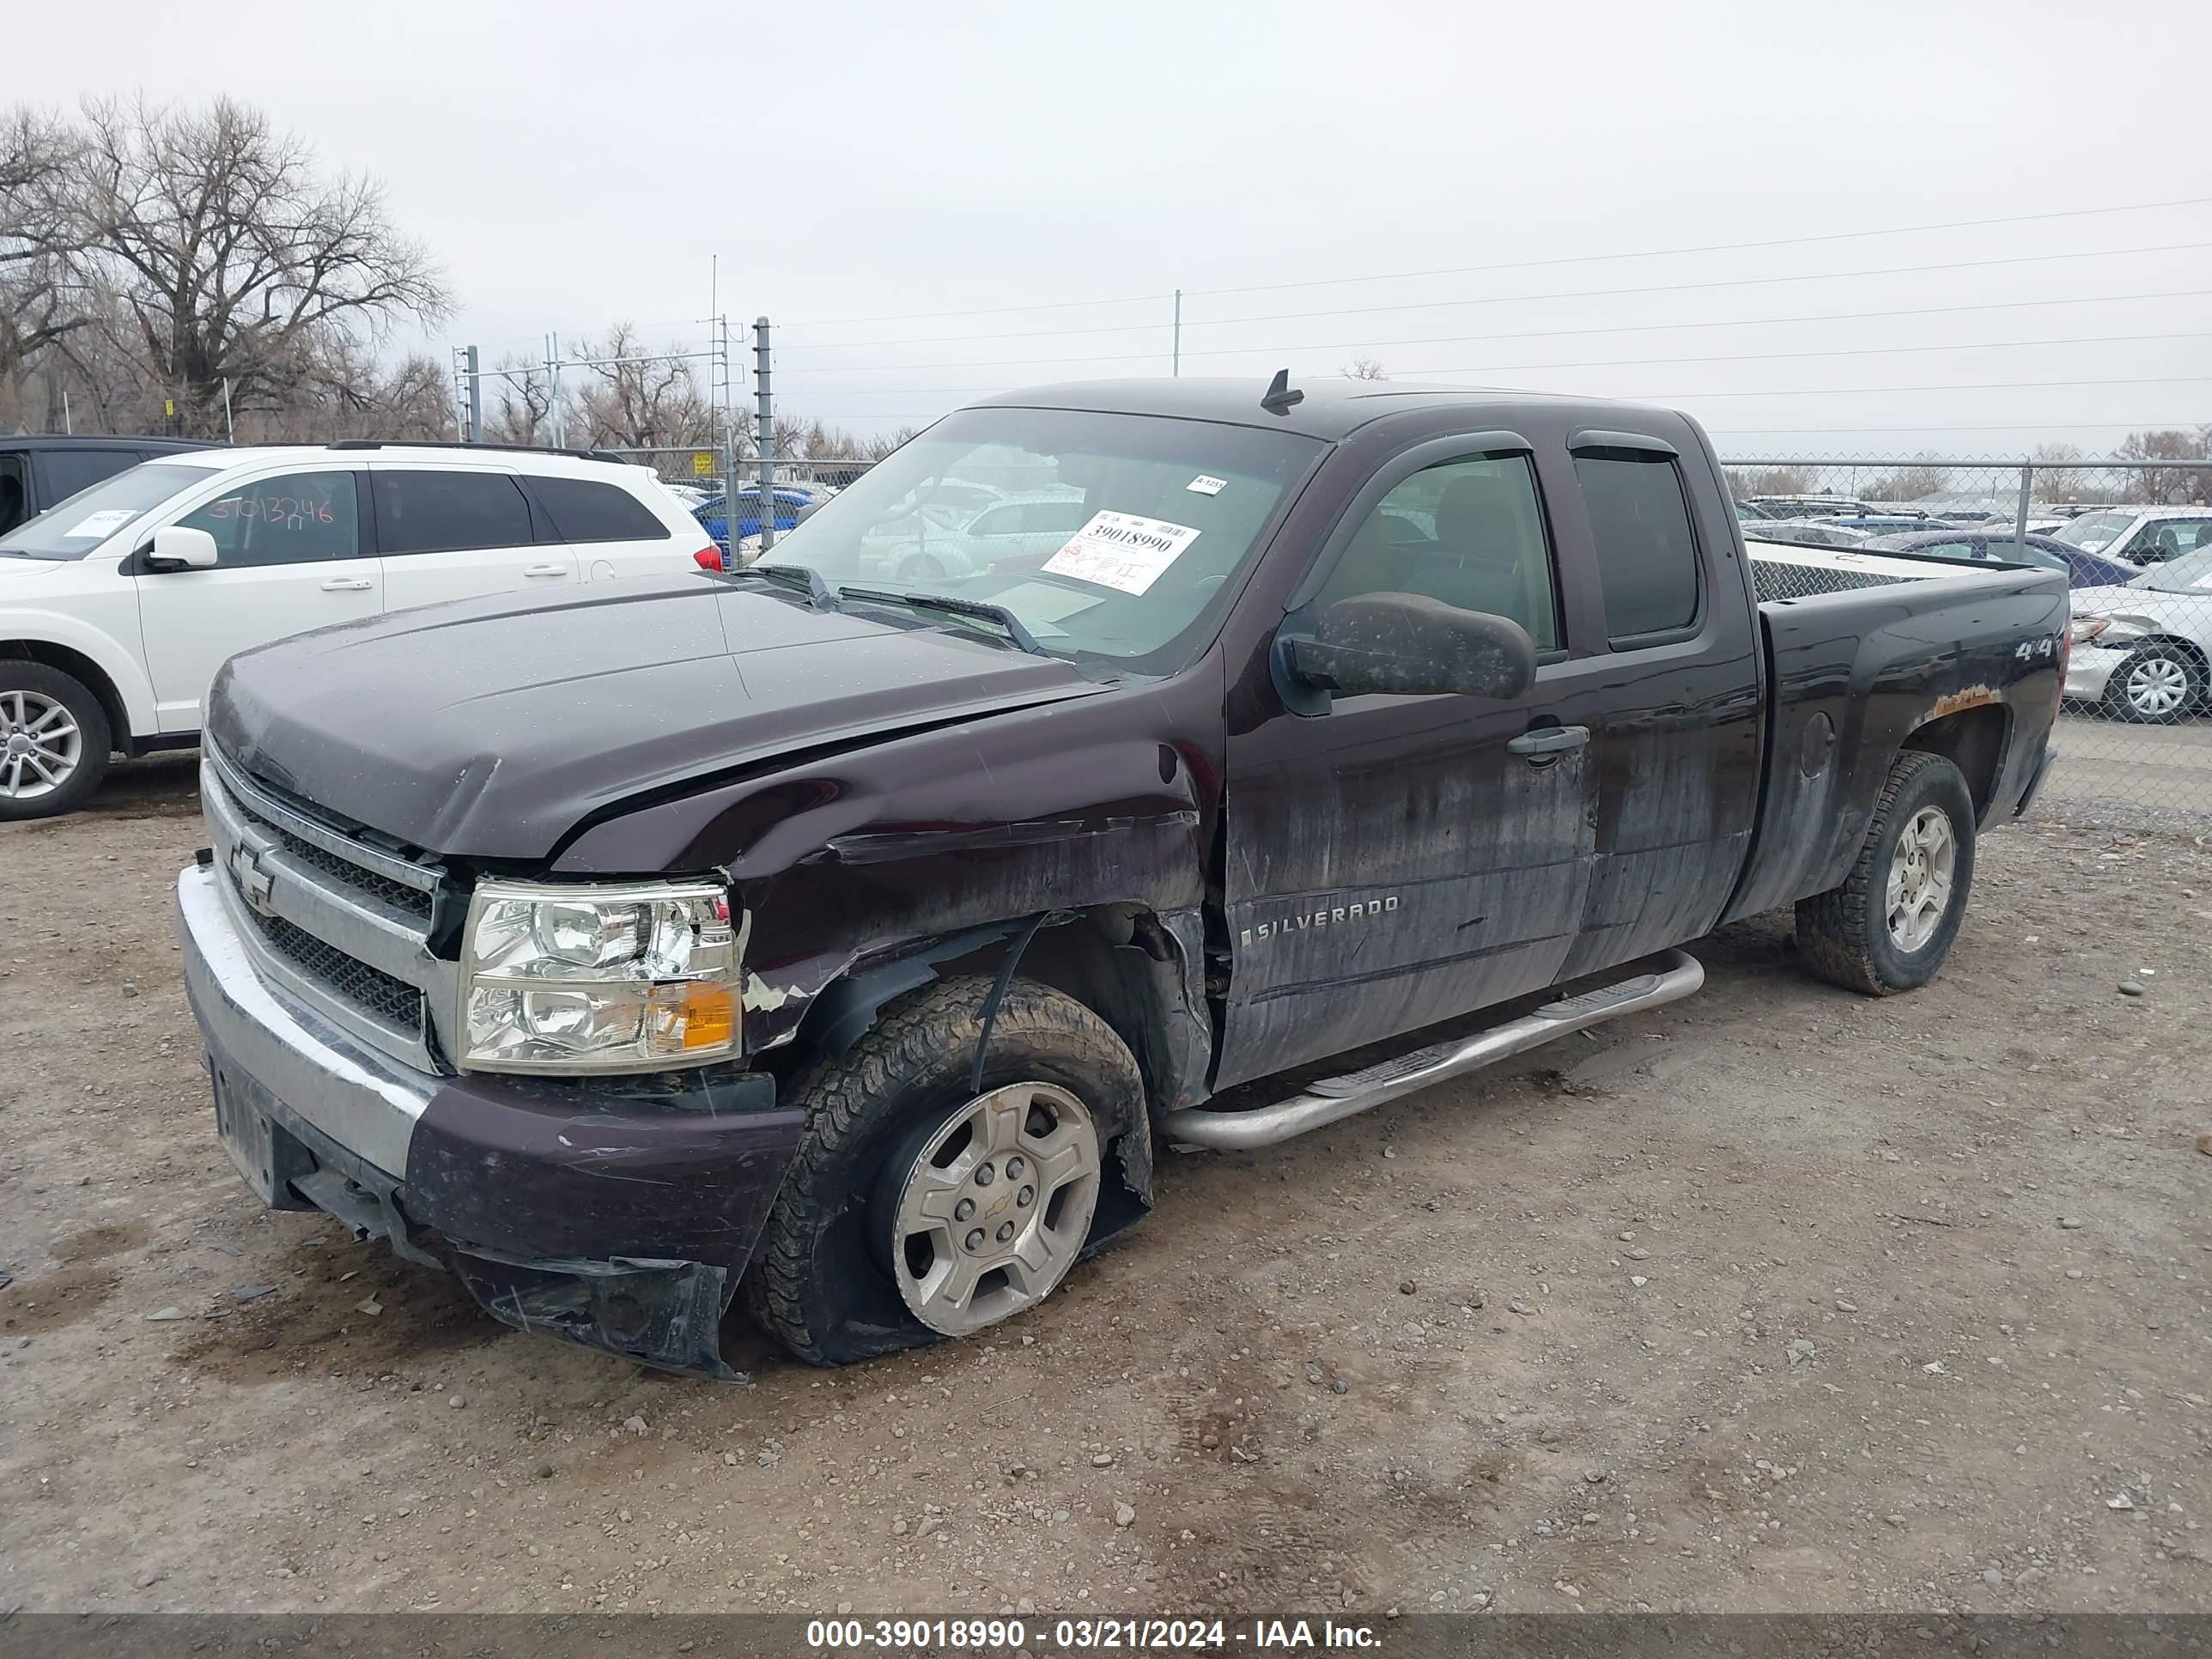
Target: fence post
{"points": [[767, 443], [1176, 369], [2020, 524]]}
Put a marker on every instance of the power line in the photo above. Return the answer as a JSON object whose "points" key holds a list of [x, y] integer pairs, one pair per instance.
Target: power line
{"points": [[1522, 264], [1713, 247], [1776, 356], [1521, 334], [1516, 299]]}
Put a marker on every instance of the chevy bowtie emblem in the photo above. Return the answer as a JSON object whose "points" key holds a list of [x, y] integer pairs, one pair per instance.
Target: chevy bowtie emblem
{"points": [[255, 885]]}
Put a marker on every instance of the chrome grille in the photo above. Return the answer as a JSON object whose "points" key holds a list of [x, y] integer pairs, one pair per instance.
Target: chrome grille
{"points": [[341, 925]]}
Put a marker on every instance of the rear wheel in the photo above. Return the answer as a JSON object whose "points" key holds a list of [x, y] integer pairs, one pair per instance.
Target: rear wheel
{"points": [[919, 1207], [922, 568], [1889, 925], [53, 741], [2158, 685]]}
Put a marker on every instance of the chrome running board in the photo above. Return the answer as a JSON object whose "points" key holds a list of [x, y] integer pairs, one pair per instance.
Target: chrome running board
{"points": [[1678, 974]]}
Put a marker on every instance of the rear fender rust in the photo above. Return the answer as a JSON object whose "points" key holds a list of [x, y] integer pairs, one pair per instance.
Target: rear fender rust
{"points": [[1970, 697]]}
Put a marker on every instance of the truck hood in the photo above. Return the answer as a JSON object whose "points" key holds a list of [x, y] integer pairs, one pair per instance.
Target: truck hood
{"points": [[491, 729]]}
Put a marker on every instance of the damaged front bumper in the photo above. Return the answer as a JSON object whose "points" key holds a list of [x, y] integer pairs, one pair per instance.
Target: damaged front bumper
{"points": [[618, 1214]]}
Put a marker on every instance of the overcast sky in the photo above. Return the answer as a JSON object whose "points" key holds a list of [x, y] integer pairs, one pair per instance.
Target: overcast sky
{"points": [[576, 165]]}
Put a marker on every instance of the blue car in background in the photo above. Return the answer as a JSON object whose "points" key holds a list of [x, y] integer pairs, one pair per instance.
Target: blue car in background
{"points": [[2084, 569], [713, 512]]}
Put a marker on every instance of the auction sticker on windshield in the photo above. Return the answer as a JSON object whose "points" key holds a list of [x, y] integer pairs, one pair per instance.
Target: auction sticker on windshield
{"points": [[1121, 551], [100, 524]]}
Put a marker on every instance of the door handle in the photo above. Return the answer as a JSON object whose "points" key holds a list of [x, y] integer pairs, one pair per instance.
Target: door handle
{"points": [[348, 585], [545, 570], [1546, 742]]}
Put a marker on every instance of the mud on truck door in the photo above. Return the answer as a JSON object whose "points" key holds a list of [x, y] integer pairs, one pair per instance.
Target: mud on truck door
{"points": [[1396, 861]]}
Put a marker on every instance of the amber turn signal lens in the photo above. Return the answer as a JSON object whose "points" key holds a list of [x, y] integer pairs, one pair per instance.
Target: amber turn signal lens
{"points": [[710, 1017]]}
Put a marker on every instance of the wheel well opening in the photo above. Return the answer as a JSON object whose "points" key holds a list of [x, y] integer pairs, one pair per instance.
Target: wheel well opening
{"points": [[81, 668], [1973, 740], [1121, 963]]}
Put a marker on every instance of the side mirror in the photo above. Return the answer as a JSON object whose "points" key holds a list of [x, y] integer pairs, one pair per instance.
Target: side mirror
{"points": [[1408, 645], [188, 549]]}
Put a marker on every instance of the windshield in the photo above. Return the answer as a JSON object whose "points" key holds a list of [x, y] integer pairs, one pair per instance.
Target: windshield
{"points": [[2092, 532], [88, 518], [1112, 539], [2190, 574]]}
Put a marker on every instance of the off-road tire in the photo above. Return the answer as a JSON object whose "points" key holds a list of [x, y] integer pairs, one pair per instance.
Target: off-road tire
{"points": [[820, 1279], [20, 674], [1842, 935]]}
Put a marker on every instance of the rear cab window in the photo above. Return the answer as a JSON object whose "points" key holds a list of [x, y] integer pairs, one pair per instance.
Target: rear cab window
{"points": [[1648, 563]]}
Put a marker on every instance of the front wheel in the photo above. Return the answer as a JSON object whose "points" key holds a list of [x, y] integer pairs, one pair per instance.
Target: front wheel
{"points": [[1889, 925], [53, 741], [919, 1207], [2157, 686]]}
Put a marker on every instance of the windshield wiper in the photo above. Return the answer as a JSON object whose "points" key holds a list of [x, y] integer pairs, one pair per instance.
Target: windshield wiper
{"points": [[1017, 630], [803, 577]]}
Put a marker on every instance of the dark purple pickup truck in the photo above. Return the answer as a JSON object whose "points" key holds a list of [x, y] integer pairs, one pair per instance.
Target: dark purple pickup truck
{"points": [[842, 935]]}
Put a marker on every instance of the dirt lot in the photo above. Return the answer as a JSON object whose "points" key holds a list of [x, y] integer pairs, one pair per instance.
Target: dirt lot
{"points": [[1777, 1298]]}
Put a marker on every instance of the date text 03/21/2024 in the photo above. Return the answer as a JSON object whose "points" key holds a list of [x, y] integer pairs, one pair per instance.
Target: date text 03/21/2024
{"points": [[1087, 1635]]}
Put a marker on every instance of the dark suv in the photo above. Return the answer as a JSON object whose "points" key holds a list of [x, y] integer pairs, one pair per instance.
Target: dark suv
{"points": [[38, 470]]}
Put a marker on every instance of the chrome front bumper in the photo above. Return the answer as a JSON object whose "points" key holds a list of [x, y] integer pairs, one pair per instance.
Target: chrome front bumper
{"points": [[365, 1102]]}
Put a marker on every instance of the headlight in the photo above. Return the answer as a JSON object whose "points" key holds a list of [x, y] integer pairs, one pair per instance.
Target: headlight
{"points": [[2114, 633], [589, 978]]}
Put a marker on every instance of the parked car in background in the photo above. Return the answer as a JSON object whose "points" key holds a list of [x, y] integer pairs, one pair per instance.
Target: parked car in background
{"points": [[1996, 546], [1807, 533], [1031, 527], [1751, 512], [38, 471], [2141, 535], [1887, 524], [713, 512], [2141, 651], [118, 606], [1810, 507]]}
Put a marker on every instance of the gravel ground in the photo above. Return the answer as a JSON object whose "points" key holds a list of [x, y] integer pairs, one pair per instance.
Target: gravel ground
{"points": [[1777, 1298]]}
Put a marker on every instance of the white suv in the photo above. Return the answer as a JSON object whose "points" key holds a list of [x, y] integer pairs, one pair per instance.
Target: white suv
{"points": [[118, 606]]}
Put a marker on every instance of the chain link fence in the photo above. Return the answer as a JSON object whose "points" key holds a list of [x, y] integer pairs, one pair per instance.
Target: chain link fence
{"points": [[2135, 540]]}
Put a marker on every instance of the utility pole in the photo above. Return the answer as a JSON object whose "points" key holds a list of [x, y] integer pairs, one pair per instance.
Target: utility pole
{"points": [[476, 396], [230, 429], [767, 443], [1178, 358]]}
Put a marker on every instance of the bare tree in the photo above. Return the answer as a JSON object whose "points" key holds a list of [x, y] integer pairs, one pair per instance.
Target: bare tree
{"points": [[1770, 481], [638, 399], [1924, 477], [2058, 474], [522, 412], [2162, 484], [231, 257], [1364, 368], [41, 234]]}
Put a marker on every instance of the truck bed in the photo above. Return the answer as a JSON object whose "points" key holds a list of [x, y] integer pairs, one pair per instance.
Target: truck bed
{"points": [[1867, 654]]}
